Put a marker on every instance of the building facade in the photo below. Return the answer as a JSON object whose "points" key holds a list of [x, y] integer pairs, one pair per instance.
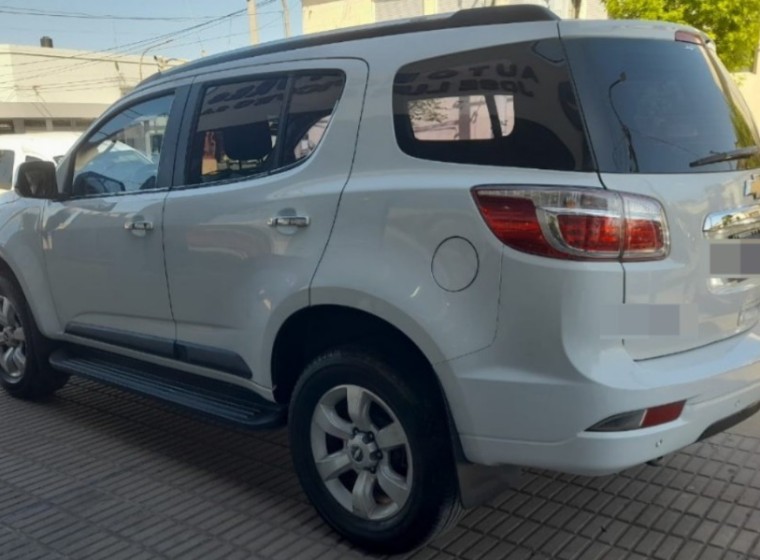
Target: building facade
{"points": [[45, 88], [324, 15]]}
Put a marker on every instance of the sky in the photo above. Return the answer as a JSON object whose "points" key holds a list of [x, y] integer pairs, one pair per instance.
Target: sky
{"points": [[167, 36]]}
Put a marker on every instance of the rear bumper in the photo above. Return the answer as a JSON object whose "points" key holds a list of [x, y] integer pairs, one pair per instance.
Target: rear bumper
{"points": [[540, 419], [600, 453]]}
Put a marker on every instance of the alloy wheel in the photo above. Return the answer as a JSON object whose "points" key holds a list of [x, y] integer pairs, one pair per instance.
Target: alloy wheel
{"points": [[361, 452], [12, 343]]}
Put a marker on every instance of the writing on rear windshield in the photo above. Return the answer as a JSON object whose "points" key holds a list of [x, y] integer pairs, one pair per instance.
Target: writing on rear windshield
{"points": [[483, 77]]}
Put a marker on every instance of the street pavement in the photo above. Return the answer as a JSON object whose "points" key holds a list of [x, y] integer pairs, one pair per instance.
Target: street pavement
{"points": [[99, 473]]}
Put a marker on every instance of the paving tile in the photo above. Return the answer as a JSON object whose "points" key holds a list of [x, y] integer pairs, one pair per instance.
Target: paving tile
{"points": [[744, 541], [482, 545], [97, 473], [574, 548], [667, 548], [686, 525], [690, 551]]}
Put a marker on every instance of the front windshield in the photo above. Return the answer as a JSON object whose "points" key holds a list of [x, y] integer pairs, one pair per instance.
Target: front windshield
{"points": [[657, 106]]}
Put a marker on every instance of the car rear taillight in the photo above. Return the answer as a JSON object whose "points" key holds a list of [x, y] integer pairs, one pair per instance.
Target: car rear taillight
{"points": [[575, 224]]}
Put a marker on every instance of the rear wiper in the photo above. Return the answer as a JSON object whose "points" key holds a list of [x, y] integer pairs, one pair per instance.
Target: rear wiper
{"points": [[718, 157]]}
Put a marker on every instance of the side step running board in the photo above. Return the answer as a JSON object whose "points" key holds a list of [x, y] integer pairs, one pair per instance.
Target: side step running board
{"points": [[224, 402]]}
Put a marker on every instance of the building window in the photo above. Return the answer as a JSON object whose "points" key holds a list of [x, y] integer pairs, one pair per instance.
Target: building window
{"points": [[62, 124], [6, 127], [81, 124], [77, 125], [35, 125]]}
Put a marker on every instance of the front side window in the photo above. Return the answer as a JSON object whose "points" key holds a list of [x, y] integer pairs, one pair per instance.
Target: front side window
{"points": [[6, 169], [258, 126], [123, 154], [508, 106]]}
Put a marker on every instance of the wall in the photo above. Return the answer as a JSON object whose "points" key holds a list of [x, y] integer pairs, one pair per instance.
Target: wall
{"points": [[750, 85], [46, 87], [324, 15]]}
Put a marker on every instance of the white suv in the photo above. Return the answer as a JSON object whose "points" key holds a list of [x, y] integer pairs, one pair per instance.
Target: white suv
{"points": [[440, 249]]}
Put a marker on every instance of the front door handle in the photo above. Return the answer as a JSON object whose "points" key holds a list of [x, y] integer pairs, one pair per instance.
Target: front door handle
{"points": [[139, 225], [294, 221]]}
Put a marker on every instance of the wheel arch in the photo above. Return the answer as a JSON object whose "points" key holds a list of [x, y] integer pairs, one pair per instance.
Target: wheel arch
{"points": [[313, 330], [342, 325], [309, 331], [46, 323]]}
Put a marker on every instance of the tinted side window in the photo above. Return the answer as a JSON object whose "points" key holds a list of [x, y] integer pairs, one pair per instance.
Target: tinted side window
{"points": [[237, 130], [6, 169], [466, 117], [244, 128], [511, 106], [123, 154], [311, 107]]}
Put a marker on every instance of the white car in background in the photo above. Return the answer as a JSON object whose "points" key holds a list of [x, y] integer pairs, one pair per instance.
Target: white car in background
{"points": [[16, 149]]}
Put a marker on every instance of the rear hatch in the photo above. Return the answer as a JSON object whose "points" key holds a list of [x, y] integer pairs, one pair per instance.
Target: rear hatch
{"points": [[665, 120]]}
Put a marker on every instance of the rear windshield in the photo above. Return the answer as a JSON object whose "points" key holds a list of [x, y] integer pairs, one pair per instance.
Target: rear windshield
{"points": [[655, 106], [509, 106]]}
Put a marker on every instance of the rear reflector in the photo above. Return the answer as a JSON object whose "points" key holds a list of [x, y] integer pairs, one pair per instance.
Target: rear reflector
{"points": [[638, 419], [575, 224], [662, 414]]}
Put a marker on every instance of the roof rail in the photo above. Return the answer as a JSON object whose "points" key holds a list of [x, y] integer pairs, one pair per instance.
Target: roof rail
{"points": [[464, 18]]}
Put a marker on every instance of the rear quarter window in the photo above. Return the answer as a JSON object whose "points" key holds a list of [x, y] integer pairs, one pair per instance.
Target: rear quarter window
{"points": [[507, 106]]}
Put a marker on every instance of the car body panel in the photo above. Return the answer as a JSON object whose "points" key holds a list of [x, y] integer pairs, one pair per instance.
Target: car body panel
{"points": [[390, 225], [706, 307], [101, 273], [684, 301], [231, 273]]}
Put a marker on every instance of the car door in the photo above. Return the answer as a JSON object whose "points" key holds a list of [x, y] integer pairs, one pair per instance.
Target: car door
{"points": [[103, 239], [267, 156]]}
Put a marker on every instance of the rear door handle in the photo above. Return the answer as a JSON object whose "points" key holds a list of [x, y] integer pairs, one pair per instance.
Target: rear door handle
{"points": [[139, 225], [294, 221]]}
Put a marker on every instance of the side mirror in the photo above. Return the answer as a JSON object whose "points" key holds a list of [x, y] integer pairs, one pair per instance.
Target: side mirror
{"points": [[36, 179]]}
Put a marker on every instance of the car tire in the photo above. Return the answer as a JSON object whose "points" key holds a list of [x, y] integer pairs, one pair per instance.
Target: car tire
{"points": [[24, 369], [380, 471]]}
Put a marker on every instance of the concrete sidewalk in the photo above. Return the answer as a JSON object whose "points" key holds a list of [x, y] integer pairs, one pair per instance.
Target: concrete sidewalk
{"points": [[99, 473]]}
